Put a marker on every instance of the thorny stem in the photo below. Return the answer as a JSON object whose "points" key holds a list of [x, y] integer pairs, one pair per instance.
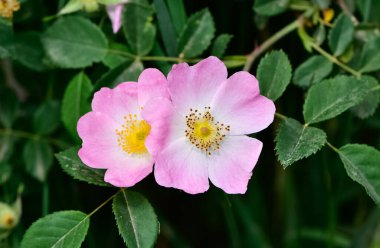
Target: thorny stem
{"points": [[26, 135], [335, 60]]}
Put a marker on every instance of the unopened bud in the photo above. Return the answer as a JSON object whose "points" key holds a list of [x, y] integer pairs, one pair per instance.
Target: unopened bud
{"points": [[8, 217]]}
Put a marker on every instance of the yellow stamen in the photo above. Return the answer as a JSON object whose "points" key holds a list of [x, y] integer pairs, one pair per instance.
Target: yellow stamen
{"points": [[203, 132], [131, 137], [7, 7]]}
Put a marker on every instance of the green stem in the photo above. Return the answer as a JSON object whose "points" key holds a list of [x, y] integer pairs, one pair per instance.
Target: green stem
{"points": [[170, 59], [231, 222], [335, 60], [280, 116], [103, 204], [26, 135], [332, 147], [45, 198], [269, 42]]}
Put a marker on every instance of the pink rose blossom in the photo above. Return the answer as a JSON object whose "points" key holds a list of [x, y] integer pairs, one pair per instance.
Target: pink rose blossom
{"points": [[201, 133], [114, 133], [115, 13]]}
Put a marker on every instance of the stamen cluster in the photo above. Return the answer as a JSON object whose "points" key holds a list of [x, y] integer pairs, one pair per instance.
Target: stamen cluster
{"points": [[203, 132], [131, 137]]}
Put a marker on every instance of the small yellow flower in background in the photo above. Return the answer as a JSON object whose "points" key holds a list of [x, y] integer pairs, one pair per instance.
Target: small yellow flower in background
{"points": [[328, 15], [7, 7]]}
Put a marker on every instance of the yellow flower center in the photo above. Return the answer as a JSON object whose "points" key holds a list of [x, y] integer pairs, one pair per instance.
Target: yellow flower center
{"points": [[131, 137], [7, 7], [203, 132]]}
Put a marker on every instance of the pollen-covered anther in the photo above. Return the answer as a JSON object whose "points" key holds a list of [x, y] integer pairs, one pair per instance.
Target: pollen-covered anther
{"points": [[203, 132], [131, 137]]}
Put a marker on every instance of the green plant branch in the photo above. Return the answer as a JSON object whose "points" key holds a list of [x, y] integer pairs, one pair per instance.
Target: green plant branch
{"points": [[335, 60], [171, 59], [103, 204], [26, 135], [273, 39], [284, 117]]}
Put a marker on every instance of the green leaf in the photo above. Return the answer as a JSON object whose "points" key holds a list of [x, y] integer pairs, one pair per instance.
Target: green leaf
{"points": [[138, 27], [319, 34], [341, 34], [71, 6], [370, 56], [38, 158], [114, 57], [75, 42], [72, 165], [270, 7], [196, 35], [323, 4], [9, 106], [369, 10], [220, 45], [108, 2], [311, 71], [6, 37], [65, 229], [5, 171], [331, 97], [6, 145], [135, 219], [128, 71], [368, 105], [168, 33], [46, 119], [274, 73], [178, 14], [76, 102], [28, 50], [163, 66], [362, 165], [295, 141]]}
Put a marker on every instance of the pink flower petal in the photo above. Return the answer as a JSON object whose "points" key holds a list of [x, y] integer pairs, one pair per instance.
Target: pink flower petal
{"points": [[158, 113], [99, 146], [182, 166], [151, 84], [117, 102], [195, 86], [232, 168], [115, 13], [239, 104], [129, 174]]}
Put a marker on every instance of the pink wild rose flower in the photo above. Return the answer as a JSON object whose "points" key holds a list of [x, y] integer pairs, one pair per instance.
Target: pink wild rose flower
{"points": [[114, 133], [201, 133], [115, 13]]}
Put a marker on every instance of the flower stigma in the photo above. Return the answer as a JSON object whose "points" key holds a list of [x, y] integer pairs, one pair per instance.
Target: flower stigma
{"points": [[203, 132], [131, 137]]}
